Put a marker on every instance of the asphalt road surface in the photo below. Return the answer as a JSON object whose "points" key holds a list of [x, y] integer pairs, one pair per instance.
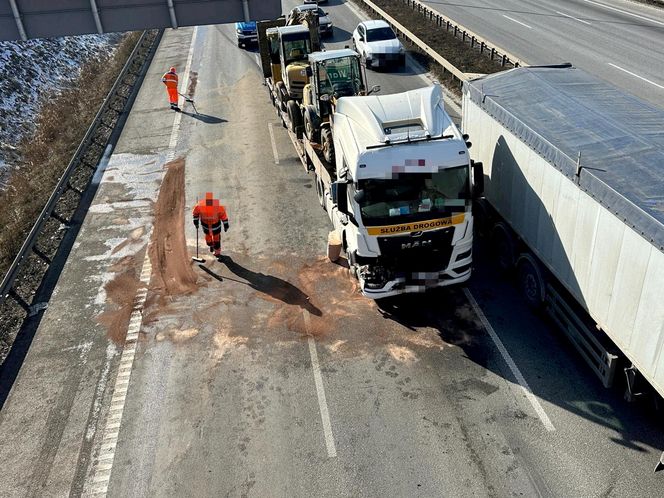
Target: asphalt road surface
{"points": [[619, 41], [268, 374]]}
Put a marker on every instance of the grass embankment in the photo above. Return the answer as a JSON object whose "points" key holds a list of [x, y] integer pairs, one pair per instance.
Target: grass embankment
{"points": [[60, 126]]}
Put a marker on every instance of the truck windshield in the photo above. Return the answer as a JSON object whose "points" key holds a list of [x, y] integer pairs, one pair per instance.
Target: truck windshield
{"points": [[414, 196], [297, 48], [380, 34], [340, 76]]}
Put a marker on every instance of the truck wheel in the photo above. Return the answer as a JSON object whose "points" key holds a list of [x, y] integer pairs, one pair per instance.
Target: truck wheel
{"points": [[295, 118], [502, 245], [531, 281], [481, 218], [328, 145], [320, 191], [282, 95], [312, 124]]}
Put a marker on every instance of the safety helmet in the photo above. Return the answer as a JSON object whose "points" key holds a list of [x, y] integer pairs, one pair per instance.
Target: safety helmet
{"points": [[172, 69], [208, 195]]}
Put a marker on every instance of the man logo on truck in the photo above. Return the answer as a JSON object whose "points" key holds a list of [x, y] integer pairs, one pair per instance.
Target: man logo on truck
{"points": [[416, 244]]}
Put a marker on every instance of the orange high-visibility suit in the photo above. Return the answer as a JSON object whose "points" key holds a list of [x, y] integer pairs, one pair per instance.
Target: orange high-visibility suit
{"points": [[170, 79], [211, 214]]}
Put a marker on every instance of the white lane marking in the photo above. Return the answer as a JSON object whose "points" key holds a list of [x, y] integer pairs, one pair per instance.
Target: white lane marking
{"points": [[625, 12], [518, 22], [572, 17], [510, 363], [100, 476], [274, 143], [320, 391], [637, 76]]}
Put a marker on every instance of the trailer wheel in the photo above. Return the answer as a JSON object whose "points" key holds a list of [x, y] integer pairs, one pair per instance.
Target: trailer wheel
{"points": [[311, 124], [295, 118], [328, 145], [320, 191], [531, 281], [502, 245]]}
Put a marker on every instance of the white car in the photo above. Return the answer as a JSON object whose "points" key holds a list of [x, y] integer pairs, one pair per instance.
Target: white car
{"points": [[325, 27], [378, 45]]}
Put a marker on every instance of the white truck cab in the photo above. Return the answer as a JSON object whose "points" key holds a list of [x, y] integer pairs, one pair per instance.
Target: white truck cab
{"points": [[403, 192]]}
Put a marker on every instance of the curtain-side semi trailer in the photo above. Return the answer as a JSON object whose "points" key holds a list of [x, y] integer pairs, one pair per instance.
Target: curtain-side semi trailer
{"points": [[574, 201]]}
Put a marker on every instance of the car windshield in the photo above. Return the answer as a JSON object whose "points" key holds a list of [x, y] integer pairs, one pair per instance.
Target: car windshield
{"points": [[340, 76], [297, 48], [379, 34], [414, 196]]}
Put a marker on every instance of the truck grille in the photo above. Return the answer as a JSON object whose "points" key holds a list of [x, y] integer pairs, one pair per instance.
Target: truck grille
{"points": [[427, 252]]}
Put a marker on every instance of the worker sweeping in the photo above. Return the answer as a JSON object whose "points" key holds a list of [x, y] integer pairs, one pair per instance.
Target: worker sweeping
{"points": [[170, 79], [211, 214]]}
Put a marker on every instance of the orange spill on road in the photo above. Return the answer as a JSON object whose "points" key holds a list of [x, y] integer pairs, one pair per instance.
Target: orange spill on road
{"points": [[171, 263]]}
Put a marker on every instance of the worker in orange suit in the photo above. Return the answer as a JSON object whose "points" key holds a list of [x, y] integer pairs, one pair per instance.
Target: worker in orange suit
{"points": [[170, 79], [211, 214]]}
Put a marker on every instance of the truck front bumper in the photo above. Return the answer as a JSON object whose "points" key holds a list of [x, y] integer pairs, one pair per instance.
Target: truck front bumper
{"points": [[415, 283]]}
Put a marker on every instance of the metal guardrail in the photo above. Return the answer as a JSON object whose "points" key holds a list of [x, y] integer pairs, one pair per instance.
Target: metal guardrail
{"points": [[475, 41], [99, 134]]}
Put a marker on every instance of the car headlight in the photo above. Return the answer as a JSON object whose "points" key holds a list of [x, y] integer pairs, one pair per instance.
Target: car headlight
{"points": [[238, 31]]}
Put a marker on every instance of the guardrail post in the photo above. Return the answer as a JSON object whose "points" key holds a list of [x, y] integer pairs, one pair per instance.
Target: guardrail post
{"points": [[493, 53], [481, 47], [456, 30], [463, 36], [503, 61], [472, 42], [21, 302], [41, 255]]}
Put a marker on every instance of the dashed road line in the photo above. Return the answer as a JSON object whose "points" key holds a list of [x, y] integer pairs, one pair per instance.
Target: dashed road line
{"points": [[637, 76], [274, 143], [572, 17], [518, 22], [320, 391], [98, 484], [625, 12], [548, 425]]}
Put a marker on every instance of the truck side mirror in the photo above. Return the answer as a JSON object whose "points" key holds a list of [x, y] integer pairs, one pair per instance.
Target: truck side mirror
{"points": [[374, 89], [339, 192], [478, 179]]}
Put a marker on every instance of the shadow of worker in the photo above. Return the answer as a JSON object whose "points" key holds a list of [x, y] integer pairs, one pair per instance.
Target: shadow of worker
{"points": [[272, 286], [205, 118]]}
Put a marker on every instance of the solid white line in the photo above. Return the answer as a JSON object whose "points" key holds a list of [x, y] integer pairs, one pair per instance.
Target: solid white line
{"points": [[101, 472], [274, 143], [320, 391], [625, 12], [637, 76], [572, 17], [518, 22], [510, 363]]}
